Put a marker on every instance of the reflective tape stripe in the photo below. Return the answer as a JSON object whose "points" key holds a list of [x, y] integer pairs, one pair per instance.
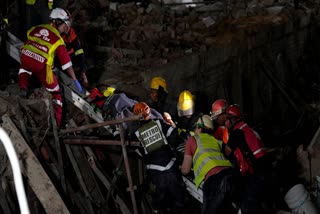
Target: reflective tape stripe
{"points": [[258, 150], [209, 151], [219, 158], [170, 130], [33, 55], [21, 70], [244, 125], [58, 102], [80, 51], [66, 66], [57, 88], [161, 168]]}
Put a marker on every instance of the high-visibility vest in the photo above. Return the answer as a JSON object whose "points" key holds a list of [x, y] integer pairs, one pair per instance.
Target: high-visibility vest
{"points": [[151, 136], [207, 156], [32, 2], [47, 45]]}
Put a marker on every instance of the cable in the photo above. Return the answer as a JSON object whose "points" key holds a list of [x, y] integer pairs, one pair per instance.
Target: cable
{"points": [[22, 199]]}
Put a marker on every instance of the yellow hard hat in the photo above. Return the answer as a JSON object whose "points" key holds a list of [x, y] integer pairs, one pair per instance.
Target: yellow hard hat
{"points": [[185, 104], [158, 81]]}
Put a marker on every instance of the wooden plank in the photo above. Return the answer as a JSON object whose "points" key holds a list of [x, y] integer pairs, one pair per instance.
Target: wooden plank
{"points": [[37, 177], [88, 178]]}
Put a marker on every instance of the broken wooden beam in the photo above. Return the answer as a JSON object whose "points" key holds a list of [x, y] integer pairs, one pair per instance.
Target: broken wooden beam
{"points": [[97, 125]]}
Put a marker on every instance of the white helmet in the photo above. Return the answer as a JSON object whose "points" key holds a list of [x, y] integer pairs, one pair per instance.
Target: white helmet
{"points": [[61, 14], [204, 121]]}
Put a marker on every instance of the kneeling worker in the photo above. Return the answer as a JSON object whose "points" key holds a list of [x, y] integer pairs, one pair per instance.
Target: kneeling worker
{"points": [[210, 166]]}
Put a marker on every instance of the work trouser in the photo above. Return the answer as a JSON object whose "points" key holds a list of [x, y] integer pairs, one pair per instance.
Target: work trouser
{"points": [[257, 190], [169, 190], [24, 76], [218, 191]]}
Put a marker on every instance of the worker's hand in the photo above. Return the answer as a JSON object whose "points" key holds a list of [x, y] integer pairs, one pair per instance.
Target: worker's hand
{"points": [[76, 82], [84, 79]]}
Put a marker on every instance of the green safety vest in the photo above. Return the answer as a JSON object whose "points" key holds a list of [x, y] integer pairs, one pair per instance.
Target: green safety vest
{"points": [[151, 136], [207, 156], [32, 2]]}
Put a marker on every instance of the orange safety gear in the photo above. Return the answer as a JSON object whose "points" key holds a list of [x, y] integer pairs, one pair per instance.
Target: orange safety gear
{"points": [[185, 104], [157, 82], [225, 136], [218, 107], [141, 108], [234, 111], [204, 121]]}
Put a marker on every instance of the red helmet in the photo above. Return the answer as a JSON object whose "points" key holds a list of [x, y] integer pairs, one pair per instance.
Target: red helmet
{"points": [[218, 107], [234, 111], [143, 109]]}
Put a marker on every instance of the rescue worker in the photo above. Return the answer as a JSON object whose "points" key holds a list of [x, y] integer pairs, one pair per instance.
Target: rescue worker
{"points": [[76, 52], [187, 117], [251, 159], [210, 167], [158, 96], [37, 55], [218, 115], [156, 137]]}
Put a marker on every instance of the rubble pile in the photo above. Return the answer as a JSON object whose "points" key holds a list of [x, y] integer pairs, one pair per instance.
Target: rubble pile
{"points": [[160, 34]]}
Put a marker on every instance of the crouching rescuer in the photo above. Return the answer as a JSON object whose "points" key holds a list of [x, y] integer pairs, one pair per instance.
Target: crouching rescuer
{"points": [[43, 43], [210, 167], [155, 137]]}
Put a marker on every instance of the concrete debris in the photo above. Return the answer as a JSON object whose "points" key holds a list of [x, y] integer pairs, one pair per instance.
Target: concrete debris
{"points": [[208, 21], [151, 28]]}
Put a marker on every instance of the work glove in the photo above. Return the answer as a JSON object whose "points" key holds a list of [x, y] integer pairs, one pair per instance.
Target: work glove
{"points": [[76, 82]]}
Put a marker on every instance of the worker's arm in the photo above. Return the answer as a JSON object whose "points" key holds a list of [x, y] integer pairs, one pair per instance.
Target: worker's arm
{"points": [[71, 73], [188, 154], [227, 150], [186, 164]]}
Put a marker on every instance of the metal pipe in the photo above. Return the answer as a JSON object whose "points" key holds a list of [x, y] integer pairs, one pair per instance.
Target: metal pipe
{"points": [[127, 166], [98, 142], [97, 125]]}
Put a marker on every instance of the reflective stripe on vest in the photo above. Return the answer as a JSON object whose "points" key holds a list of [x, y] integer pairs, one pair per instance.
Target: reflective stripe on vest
{"points": [[207, 156], [33, 41], [161, 168], [151, 136], [80, 51]]}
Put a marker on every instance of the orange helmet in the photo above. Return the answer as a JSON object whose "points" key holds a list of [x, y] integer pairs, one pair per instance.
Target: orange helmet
{"points": [[218, 107], [234, 111], [141, 108]]}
